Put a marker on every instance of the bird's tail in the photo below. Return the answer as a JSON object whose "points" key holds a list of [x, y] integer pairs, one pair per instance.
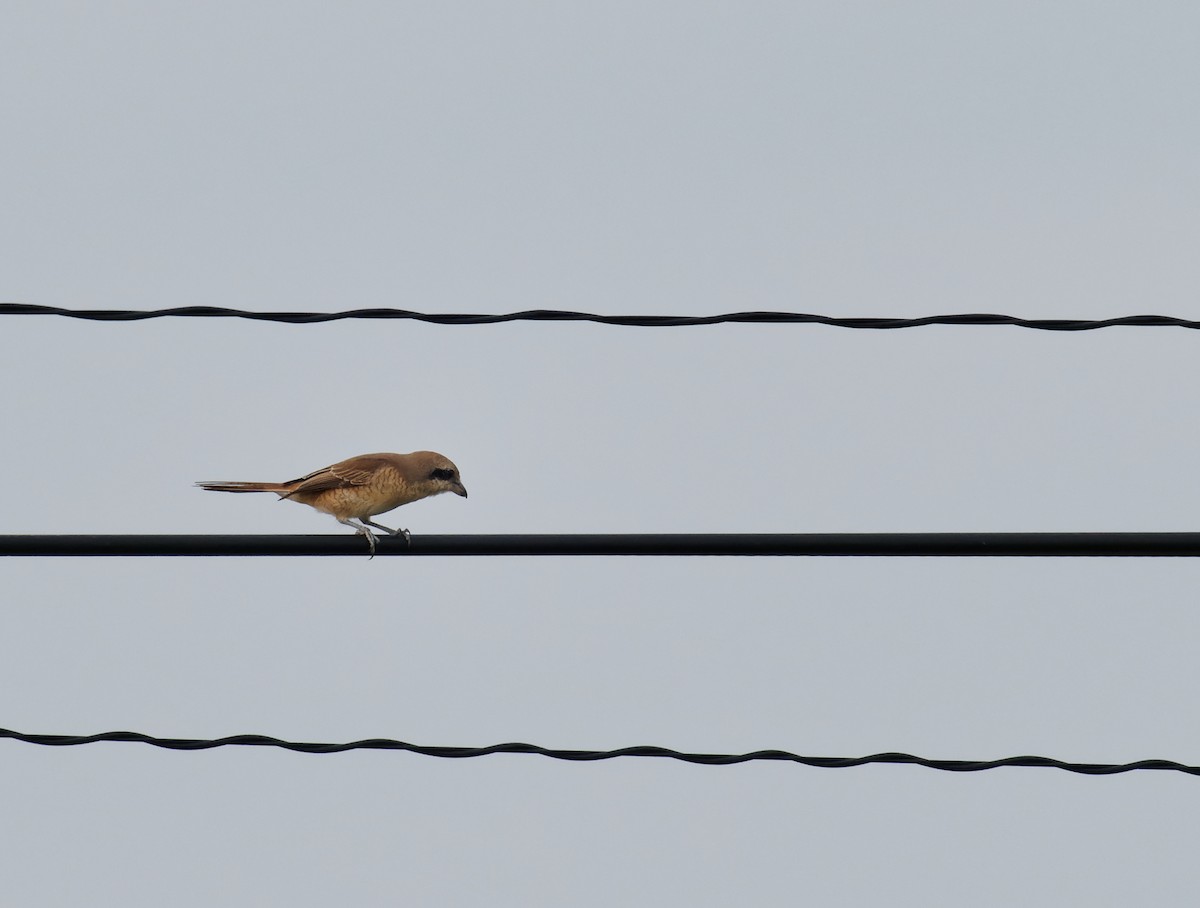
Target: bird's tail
{"points": [[277, 487]]}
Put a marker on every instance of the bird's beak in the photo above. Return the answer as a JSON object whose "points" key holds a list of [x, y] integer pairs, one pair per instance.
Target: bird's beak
{"points": [[459, 489]]}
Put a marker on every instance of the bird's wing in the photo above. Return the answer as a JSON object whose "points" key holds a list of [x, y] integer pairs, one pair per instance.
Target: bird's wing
{"points": [[336, 477]]}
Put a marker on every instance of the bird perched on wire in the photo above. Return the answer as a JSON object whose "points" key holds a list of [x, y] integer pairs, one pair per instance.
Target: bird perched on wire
{"points": [[362, 487]]}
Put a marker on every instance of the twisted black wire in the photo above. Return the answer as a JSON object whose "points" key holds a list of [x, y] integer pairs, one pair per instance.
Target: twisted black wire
{"points": [[1092, 769], [644, 321]]}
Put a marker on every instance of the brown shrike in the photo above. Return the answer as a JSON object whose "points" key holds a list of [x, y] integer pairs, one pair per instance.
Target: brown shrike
{"points": [[363, 486]]}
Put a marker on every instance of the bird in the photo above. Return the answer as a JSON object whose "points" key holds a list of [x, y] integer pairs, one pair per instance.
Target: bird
{"points": [[361, 487]]}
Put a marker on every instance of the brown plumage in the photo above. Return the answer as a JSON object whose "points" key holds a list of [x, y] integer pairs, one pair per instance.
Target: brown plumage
{"points": [[363, 486]]}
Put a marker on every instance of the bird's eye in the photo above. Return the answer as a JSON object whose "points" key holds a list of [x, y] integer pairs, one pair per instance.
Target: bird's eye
{"points": [[442, 474]]}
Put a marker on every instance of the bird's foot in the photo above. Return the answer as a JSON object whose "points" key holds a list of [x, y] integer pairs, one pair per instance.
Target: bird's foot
{"points": [[370, 541], [362, 530]]}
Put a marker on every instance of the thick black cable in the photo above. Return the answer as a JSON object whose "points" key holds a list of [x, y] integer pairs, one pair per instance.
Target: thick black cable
{"points": [[707, 759], [643, 321], [970, 545]]}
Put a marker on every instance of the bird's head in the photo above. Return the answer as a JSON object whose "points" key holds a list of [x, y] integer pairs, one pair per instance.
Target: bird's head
{"points": [[439, 473]]}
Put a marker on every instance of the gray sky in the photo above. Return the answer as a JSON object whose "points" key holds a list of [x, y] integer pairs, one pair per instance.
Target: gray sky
{"points": [[872, 158]]}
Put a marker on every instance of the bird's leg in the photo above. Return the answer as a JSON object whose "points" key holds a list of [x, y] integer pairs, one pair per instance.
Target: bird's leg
{"points": [[362, 531], [379, 526]]}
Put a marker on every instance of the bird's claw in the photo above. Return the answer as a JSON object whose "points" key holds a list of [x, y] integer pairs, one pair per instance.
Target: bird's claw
{"points": [[370, 541]]}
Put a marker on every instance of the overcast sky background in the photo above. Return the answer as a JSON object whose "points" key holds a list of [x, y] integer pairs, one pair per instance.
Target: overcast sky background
{"points": [[862, 158]]}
